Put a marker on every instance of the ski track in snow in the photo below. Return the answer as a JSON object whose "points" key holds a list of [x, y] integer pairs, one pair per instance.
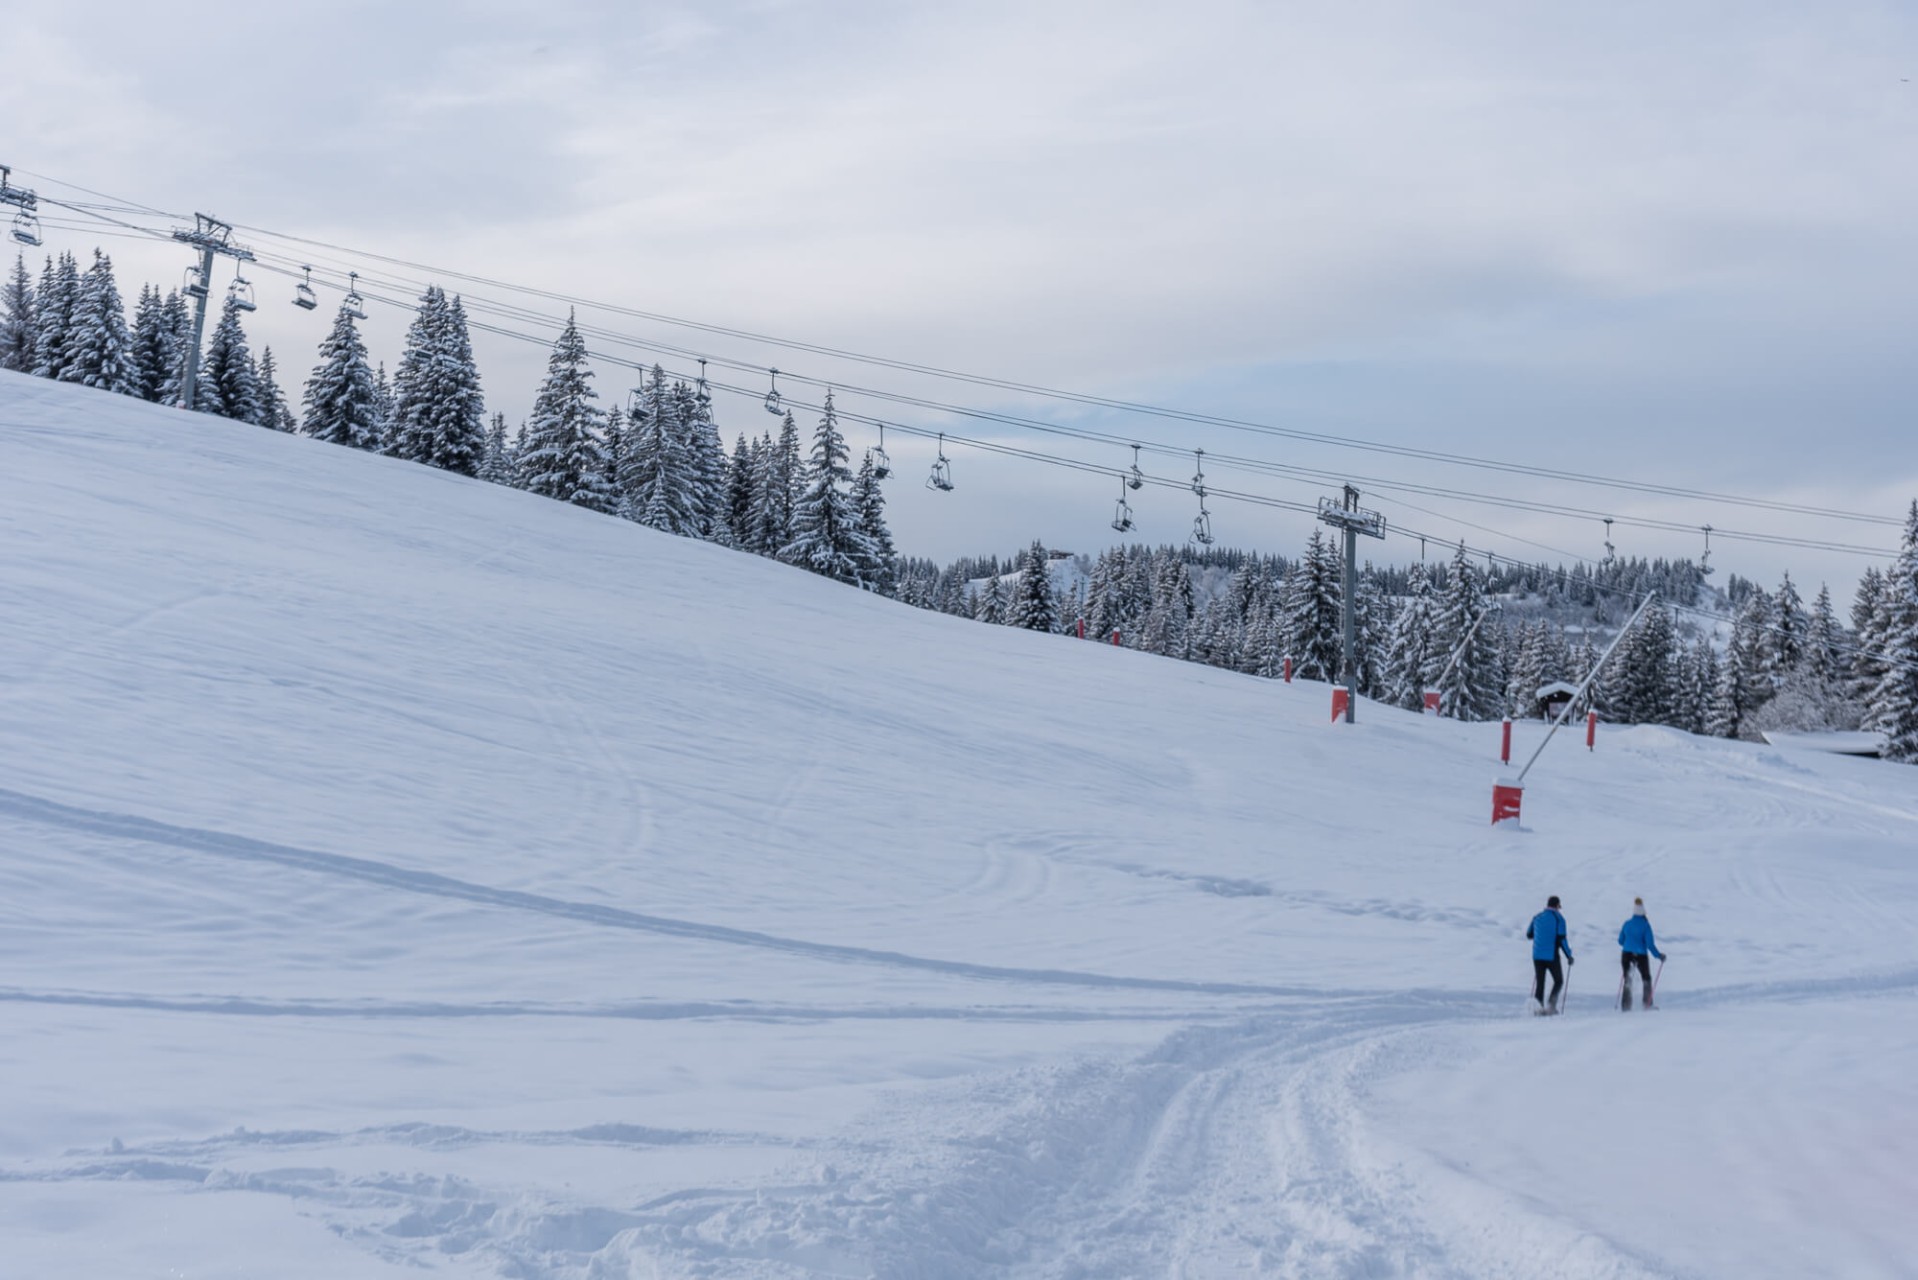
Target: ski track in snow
{"points": [[220, 844], [1228, 1150], [1236, 1147]]}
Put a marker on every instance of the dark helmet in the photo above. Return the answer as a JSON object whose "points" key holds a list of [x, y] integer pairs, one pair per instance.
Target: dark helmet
{"points": [[1552, 901]]}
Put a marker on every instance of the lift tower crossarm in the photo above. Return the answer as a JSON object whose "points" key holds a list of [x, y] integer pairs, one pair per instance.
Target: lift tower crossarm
{"points": [[210, 236]]}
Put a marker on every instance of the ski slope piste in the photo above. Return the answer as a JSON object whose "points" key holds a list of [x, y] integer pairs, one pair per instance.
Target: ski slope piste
{"points": [[405, 875]]}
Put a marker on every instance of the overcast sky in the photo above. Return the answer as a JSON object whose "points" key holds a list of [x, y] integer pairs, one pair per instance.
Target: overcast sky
{"points": [[1669, 242]]}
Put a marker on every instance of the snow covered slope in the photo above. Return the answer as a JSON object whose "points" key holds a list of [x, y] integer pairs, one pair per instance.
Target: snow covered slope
{"points": [[400, 872]]}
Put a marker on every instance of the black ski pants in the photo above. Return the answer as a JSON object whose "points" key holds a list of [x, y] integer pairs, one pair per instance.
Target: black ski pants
{"points": [[1626, 959], [1539, 969]]}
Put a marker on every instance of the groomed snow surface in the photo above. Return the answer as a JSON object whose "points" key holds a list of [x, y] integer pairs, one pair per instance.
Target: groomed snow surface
{"points": [[401, 874]]}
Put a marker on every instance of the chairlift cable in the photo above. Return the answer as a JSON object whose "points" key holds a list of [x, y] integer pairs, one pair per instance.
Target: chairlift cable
{"points": [[1114, 403]]}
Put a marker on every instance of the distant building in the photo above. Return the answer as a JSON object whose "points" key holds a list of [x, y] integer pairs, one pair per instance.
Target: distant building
{"points": [[1552, 699]]}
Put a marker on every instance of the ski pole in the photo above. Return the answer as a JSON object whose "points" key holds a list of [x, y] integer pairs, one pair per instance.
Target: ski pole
{"points": [[1661, 969], [1565, 996], [1624, 979]]}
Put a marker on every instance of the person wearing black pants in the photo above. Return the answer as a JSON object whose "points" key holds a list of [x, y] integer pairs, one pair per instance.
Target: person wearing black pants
{"points": [[1636, 946], [1547, 932]]}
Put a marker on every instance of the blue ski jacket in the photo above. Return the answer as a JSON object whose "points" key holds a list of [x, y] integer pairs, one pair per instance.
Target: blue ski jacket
{"points": [[1547, 932], [1636, 937]]}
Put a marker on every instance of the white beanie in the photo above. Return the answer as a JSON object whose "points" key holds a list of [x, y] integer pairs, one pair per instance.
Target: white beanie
{"points": [[1638, 906]]}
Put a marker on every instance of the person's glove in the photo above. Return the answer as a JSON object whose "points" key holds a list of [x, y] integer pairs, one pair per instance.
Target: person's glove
{"points": [[1570, 958], [1661, 957]]}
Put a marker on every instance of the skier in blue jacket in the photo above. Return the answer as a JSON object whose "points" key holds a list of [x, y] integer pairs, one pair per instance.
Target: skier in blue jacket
{"points": [[1547, 932], [1634, 941]]}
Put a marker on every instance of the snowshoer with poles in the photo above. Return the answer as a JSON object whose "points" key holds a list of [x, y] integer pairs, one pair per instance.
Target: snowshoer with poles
{"points": [[1635, 941], [1547, 932]]}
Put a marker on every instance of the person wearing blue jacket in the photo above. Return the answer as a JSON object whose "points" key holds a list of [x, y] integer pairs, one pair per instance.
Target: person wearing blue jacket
{"points": [[1634, 942], [1547, 932]]}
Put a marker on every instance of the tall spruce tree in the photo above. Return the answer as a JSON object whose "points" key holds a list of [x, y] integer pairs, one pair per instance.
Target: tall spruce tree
{"points": [[563, 459], [775, 484], [439, 413], [229, 384], [1867, 622], [17, 328], [55, 305], [1033, 605], [274, 413], [178, 325], [341, 399], [660, 482], [739, 495], [1464, 665], [1639, 679], [385, 439], [1894, 709], [1785, 642], [1525, 672], [1167, 625], [99, 352], [1314, 635], [496, 465], [1823, 661], [869, 501], [153, 355], [989, 602], [1408, 648], [1371, 634], [827, 537], [616, 443], [707, 453]]}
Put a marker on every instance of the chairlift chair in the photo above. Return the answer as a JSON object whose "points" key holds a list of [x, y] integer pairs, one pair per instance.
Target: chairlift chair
{"points": [[881, 464], [773, 405], [303, 296], [353, 304], [941, 477], [1122, 514], [194, 283], [1135, 479], [1202, 528], [26, 226], [240, 293]]}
